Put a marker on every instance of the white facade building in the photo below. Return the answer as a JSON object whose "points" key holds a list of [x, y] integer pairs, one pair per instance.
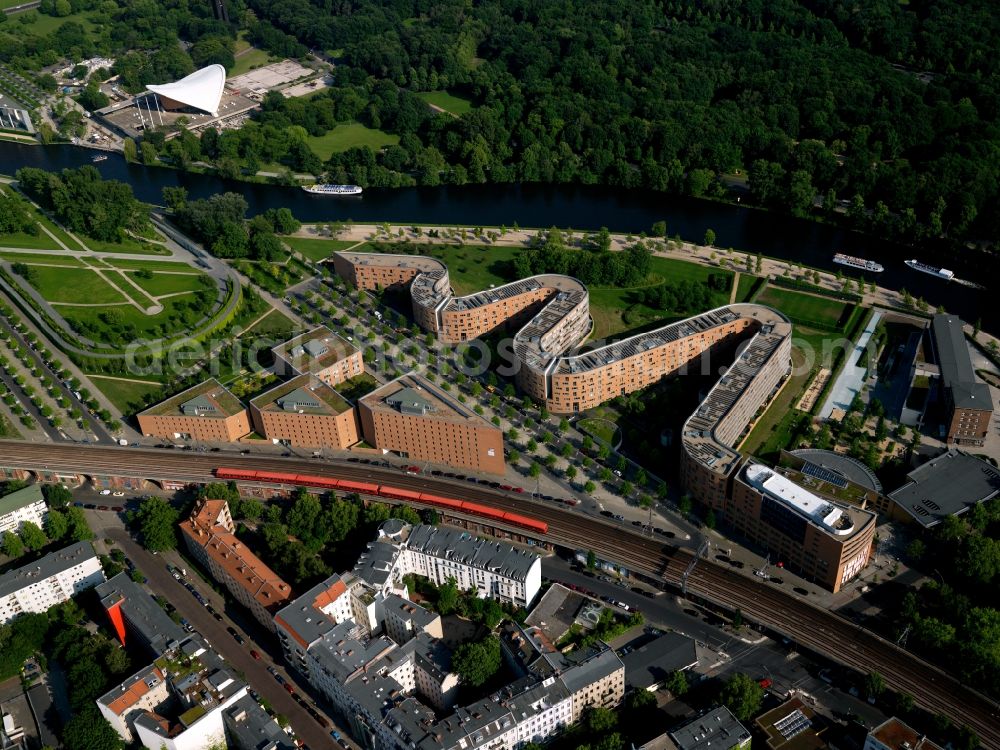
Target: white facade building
{"points": [[24, 505], [51, 580]]}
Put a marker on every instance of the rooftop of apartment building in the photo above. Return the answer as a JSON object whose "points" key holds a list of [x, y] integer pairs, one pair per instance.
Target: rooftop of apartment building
{"points": [[840, 521], [896, 735], [537, 654], [46, 567], [643, 342], [528, 344], [955, 364], [947, 485], [200, 680], [344, 651], [653, 662], [413, 395], [21, 499], [559, 283], [791, 726], [144, 615], [304, 618], [304, 394], [468, 549], [209, 399], [253, 728], [404, 609], [242, 565], [313, 351], [122, 698], [700, 440], [714, 729], [422, 263]]}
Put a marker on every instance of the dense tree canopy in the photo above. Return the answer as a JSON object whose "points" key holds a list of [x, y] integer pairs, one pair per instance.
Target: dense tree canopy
{"points": [[477, 661], [85, 202], [894, 103], [155, 519]]}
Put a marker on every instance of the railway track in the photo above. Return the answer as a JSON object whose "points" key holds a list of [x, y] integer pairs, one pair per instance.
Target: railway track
{"points": [[820, 630]]}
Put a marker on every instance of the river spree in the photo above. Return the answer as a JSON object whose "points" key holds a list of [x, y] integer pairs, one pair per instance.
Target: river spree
{"points": [[579, 207]]}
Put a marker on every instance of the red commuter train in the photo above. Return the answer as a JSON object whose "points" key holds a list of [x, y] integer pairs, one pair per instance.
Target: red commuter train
{"points": [[383, 490]]}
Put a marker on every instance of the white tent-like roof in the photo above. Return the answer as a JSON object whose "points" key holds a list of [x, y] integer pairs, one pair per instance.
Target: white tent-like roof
{"points": [[201, 90]]}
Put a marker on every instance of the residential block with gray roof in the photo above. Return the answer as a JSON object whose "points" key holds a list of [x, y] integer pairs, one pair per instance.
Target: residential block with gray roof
{"points": [[49, 580], [26, 505], [134, 613]]}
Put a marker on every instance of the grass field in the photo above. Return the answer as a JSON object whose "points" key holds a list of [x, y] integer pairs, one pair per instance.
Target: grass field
{"points": [[7, 429], [127, 245], [40, 241], [125, 394], [746, 287], [614, 310], [275, 324], [42, 24], [456, 105], [168, 283], [33, 259], [347, 136], [802, 308], [149, 326], [151, 265], [255, 58], [75, 286], [316, 248]]}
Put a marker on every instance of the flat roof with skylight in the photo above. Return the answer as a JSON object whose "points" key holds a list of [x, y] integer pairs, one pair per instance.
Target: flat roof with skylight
{"points": [[304, 394], [314, 351], [209, 399]]}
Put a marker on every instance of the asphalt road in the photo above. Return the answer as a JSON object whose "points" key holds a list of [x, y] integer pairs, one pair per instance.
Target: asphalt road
{"points": [[106, 524]]}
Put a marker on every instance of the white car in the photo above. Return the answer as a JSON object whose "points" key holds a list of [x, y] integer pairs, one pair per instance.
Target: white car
{"points": [[105, 492], [118, 494]]}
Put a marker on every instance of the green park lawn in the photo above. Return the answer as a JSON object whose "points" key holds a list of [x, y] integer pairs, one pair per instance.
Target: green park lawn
{"points": [[615, 311], [40, 241], [39, 259], [41, 24], [316, 248], [168, 283], [746, 286], [127, 245], [127, 264], [74, 286], [254, 58], [349, 135], [456, 105], [148, 326], [126, 395], [823, 312], [275, 324]]}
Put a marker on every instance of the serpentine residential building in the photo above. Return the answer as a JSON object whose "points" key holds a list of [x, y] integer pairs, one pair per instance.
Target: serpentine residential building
{"points": [[551, 313]]}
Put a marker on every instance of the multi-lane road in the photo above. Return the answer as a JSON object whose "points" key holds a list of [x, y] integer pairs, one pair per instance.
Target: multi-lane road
{"points": [[820, 630]]}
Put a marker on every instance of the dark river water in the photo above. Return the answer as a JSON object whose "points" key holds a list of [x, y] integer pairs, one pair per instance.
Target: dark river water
{"points": [[576, 206]]}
